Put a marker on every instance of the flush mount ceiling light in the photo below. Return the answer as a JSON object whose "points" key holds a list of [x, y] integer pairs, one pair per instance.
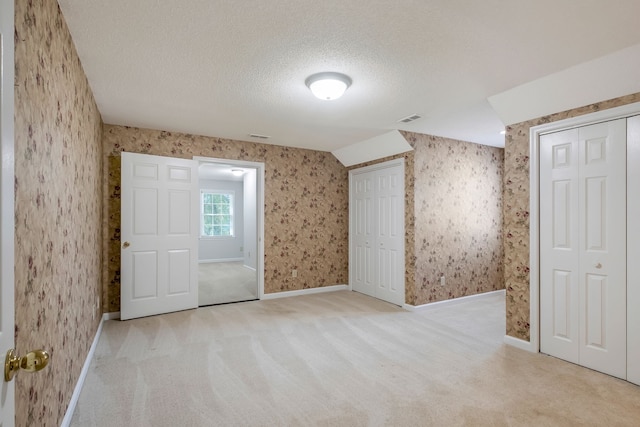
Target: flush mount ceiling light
{"points": [[328, 86], [237, 172]]}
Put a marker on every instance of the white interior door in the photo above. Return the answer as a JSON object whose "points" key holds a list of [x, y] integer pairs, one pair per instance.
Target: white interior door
{"points": [[159, 235], [390, 234], [362, 239], [7, 319], [583, 246]]}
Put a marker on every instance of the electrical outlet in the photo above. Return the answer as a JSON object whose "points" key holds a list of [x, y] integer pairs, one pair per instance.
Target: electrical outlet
{"points": [[294, 273], [241, 248], [442, 282]]}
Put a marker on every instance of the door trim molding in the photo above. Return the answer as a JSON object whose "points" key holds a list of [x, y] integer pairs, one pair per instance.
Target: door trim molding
{"points": [[260, 167], [7, 214], [534, 203]]}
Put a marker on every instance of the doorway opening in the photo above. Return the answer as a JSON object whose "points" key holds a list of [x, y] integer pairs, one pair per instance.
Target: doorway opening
{"points": [[230, 250]]}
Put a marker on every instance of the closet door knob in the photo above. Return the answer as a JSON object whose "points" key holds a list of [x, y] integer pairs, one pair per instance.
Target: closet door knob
{"points": [[598, 265]]}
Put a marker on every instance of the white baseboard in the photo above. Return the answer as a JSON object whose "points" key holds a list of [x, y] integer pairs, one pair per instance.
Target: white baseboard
{"points": [[440, 304], [519, 343], [309, 291], [66, 421], [250, 268], [111, 316], [209, 261]]}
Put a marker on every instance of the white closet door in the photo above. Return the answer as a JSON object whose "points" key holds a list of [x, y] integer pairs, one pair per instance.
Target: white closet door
{"points": [[376, 253], [603, 261], [559, 245], [583, 246], [389, 186], [362, 229]]}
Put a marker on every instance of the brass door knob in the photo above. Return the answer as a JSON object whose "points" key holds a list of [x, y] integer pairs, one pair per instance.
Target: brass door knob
{"points": [[126, 245], [30, 362]]}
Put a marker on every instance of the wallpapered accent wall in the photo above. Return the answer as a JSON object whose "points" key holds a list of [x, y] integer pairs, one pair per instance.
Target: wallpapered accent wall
{"points": [[458, 228], [516, 212], [306, 205], [453, 218], [58, 196]]}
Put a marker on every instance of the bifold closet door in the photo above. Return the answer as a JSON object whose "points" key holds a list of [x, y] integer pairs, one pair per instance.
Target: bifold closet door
{"points": [[377, 232], [389, 204], [362, 239], [583, 246]]}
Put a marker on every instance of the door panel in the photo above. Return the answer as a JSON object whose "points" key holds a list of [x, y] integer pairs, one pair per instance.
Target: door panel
{"points": [[362, 189], [179, 269], [559, 251], [603, 317], [160, 227], [145, 268], [389, 239], [561, 297], [597, 311]]}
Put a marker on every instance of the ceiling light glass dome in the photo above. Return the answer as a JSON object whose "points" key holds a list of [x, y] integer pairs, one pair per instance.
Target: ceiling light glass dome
{"points": [[328, 86]]}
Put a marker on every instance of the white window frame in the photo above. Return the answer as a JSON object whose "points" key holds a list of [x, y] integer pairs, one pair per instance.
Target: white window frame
{"points": [[231, 213]]}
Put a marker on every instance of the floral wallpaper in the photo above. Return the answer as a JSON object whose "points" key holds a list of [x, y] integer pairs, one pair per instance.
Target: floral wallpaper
{"points": [[516, 212], [458, 218], [306, 205], [58, 207]]}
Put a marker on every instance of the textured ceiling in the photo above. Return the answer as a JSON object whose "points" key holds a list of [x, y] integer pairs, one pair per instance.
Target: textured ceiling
{"points": [[231, 68]]}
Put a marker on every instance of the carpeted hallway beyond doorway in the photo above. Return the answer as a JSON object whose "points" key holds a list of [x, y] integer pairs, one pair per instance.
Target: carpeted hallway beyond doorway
{"points": [[223, 282], [339, 359]]}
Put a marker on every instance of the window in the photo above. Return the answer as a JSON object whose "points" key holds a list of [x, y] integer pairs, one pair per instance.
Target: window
{"points": [[217, 213]]}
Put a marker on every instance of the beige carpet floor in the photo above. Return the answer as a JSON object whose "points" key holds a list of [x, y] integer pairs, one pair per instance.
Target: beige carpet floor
{"points": [[339, 359], [222, 282]]}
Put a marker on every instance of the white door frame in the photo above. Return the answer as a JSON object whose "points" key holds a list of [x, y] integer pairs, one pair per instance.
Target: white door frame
{"points": [[7, 213], [365, 169], [259, 166], [534, 215]]}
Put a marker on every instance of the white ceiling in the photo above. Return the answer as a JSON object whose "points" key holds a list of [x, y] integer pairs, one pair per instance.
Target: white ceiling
{"points": [[219, 172], [231, 68]]}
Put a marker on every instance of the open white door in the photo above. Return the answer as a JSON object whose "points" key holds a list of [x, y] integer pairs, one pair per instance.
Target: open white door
{"points": [[159, 235], [7, 391]]}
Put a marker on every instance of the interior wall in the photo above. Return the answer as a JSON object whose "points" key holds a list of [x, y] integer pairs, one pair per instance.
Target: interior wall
{"points": [[458, 218], [58, 221], [217, 249], [516, 212], [306, 205], [453, 218]]}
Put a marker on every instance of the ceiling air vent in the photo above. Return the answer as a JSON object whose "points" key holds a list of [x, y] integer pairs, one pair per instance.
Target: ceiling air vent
{"points": [[257, 135], [410, 118]]}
